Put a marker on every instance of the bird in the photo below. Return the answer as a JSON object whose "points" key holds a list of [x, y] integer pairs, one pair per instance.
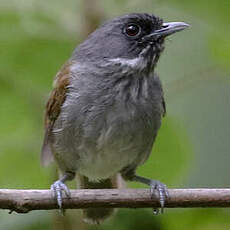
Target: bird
{"points": [[104, 112]]}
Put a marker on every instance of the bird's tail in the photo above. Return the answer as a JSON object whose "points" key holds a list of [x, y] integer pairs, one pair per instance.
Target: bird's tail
{"points": [[98, 215]]}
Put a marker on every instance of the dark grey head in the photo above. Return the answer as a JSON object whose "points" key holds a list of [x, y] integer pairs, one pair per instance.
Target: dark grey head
{"points": [[135, 39]]}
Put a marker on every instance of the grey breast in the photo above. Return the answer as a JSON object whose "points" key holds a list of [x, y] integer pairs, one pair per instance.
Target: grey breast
{"points": [[108, 120]]}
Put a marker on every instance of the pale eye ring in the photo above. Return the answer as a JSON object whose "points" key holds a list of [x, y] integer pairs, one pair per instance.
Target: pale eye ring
{"points": [[132, 30]]}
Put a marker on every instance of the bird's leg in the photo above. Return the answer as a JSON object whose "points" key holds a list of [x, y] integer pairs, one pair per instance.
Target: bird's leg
{"points": [[58, 186], [155, 186]]}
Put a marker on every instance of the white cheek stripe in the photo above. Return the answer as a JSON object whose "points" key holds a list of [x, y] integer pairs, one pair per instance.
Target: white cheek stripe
{"points": [[133, 63], [137, 63]]}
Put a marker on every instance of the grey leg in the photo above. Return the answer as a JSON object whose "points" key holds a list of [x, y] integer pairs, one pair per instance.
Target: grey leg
{"points": [[155, 185], [58, 187]]}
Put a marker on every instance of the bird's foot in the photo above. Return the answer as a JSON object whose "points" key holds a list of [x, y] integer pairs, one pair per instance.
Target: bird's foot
{"points": [[162, 193], [58, 187]]}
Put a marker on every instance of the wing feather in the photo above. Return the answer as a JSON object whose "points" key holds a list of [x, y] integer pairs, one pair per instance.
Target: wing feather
{"points": [[53, 109]]}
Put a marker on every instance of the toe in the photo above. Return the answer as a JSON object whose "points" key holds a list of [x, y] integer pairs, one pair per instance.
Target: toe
{"points": [[53, 190], [65, 189], [57, 188], [162, 193]]}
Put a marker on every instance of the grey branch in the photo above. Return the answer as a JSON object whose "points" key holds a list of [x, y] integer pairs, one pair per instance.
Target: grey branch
{"points": [[23, 201]]}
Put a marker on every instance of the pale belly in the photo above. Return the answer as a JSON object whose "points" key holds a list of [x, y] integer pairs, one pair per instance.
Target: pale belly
{"points": [[105, 163], [103, 142], [104, 152]]}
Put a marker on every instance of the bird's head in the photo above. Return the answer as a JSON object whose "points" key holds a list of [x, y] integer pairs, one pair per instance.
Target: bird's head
{"points": [[134, 41]]}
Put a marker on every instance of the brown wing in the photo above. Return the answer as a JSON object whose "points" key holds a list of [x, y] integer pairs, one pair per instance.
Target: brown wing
{"points": [[53, 109]]}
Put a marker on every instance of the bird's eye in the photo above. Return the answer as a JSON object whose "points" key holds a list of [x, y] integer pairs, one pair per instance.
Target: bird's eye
{"points": [[132, 30]]}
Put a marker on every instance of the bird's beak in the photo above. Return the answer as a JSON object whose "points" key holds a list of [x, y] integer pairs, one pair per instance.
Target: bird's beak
{"points": [[168, 28]]}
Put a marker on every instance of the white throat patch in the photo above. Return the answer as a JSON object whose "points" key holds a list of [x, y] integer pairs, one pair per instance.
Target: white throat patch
{"points": [[136, 64]]}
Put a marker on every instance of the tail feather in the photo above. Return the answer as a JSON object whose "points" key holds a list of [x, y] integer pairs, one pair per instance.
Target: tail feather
{"points": [[97, 215]]}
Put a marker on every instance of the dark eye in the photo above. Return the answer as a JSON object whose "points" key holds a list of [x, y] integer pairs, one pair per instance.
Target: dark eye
{"points": [[132, 30]]}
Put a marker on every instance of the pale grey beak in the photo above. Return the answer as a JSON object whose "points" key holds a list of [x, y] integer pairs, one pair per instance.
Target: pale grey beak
{"points": [[167, 29]]}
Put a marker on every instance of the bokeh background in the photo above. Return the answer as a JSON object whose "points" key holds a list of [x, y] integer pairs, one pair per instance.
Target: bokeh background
{"points": [[192, 148]]}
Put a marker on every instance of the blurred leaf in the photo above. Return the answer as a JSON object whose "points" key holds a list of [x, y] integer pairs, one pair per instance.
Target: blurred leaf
{"points": [[220, 49], [196, 219], [215, 12]]}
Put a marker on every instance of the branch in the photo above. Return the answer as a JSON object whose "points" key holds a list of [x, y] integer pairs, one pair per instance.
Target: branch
{"points": [[23, 201]]}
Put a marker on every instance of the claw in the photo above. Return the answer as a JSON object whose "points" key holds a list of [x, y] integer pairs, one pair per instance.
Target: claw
{"points": [[57, 188], [156, 211], [162, 193]]}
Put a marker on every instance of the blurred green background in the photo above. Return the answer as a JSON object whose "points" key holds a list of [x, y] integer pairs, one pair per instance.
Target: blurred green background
{"points": [[192, 148]]}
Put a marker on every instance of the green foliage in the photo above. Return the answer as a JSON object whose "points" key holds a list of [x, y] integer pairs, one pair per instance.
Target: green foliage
{"points": [[220, 49], [213, 11], [199, 219]]}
